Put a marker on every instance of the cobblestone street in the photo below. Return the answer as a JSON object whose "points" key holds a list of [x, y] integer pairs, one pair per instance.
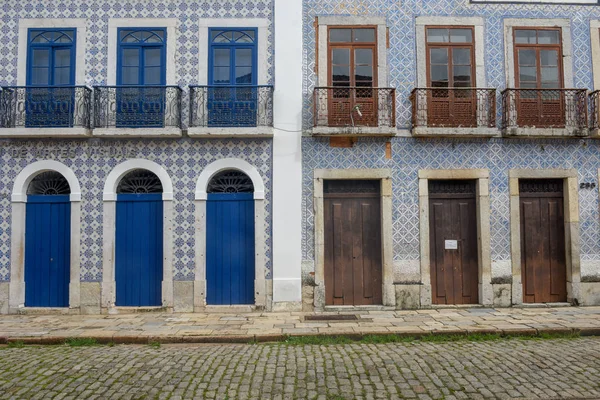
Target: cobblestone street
{"points": [[503, 369]]}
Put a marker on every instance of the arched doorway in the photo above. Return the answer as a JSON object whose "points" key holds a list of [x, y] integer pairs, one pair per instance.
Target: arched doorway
{"points": [[230, 239], [47, 241], [139, 240]]}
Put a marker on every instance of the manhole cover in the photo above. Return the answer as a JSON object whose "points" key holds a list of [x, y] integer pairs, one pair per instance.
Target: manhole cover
{"points": [[330, 318]]}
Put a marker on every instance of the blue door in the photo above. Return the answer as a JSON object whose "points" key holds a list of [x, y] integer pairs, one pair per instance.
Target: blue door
{"points": [[141, 75], [50, 98], [230, 248], [47, 250], [232, 93], [139, 250]]}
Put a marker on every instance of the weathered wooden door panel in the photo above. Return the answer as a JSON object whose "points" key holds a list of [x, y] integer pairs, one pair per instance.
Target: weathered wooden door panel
{"points": [[453, 242], [47, 251], [353, 269], [543, 262]]}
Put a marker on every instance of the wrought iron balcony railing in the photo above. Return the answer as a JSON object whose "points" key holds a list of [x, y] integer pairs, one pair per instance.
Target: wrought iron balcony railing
{"points": [[231, 106], [355, 107], [137, 106], [453, 107], [595, 110], [45, 107], [544, 108]]}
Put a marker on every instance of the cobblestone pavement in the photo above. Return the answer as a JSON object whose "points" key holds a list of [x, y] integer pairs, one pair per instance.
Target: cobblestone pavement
{"points": [[505, 369], [165, 327]]}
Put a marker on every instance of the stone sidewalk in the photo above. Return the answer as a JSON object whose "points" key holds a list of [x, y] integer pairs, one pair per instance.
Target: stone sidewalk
{"points": [[261, 326]]}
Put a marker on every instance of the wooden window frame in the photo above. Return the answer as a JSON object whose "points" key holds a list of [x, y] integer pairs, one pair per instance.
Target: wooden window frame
{"points": [[537, 47], [353, 46], [449, 45]]}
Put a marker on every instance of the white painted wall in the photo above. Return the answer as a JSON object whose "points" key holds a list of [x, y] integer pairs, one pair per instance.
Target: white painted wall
{"points": [[287, 154]]}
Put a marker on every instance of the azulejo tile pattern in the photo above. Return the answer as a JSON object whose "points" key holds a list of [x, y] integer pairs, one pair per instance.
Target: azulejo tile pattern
{"points": [[409, 155], [92, 161]]}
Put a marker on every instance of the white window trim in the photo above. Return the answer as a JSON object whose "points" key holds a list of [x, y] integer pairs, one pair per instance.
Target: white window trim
{"points": [[260, 282], [79, 24], [17, 234], [109, 230], [380, 22], [171, 24], [509, 54], [262, 44], [595, 43], [476, 22]]}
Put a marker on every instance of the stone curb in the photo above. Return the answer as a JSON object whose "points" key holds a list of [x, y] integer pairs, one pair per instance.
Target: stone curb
{"points": [[269, 338]]}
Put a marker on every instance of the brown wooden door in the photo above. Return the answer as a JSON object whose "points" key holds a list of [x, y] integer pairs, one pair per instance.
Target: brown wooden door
{"points": [[353, 270], [543, 262], [453, 242]]}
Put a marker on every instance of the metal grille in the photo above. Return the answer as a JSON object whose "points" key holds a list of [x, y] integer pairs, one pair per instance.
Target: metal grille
{"points": [[230, 182], [451, 187], [48, 184], [540, 186], [351, 186], [140, 181]]}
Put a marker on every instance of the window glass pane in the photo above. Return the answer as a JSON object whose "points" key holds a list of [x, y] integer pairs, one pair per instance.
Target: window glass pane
{"points": [[440, 84], [364, 35], [221, 57], [130, 37], [527, 57], [551, 85], [363, 56], [152, 57], [62, 76], [155, 37], [341, 56], [243, 75], [62, 58], [461, 35], [243, 57], [461, 56], [439, 73], [463, 93], [462, 73], [40, 58], [341, 73], [363, 74], [131, 58], [439, 56], [244, 37], [549, 58], [549, 74], [221, 75], [130, 75], [548, 37], [437, 35], [39, 76], [63, 37], [340, 35], [525, 36], [527, 74], [218, 38], [38, 37], [152, 76]]}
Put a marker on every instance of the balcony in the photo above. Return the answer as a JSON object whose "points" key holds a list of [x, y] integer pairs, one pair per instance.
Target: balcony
{"points": [[231, 111], [544, 112], [454, 112], [356, 111], [594, 98], [139, 111], [51, 111]]}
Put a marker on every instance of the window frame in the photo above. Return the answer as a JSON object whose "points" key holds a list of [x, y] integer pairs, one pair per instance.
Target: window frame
{"points": [[72, 46], [352, 46], [537, 47], [163, 56], [450, 46], [232, 47]]}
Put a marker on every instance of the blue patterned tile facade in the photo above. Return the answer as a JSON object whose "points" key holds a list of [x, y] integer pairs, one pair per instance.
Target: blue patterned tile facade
{"points": [[410, 154], [92, 161]]}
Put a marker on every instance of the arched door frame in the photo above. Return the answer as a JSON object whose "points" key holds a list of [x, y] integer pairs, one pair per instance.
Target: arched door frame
{"points": [[260, 282], [109, 198], [17, 235]]}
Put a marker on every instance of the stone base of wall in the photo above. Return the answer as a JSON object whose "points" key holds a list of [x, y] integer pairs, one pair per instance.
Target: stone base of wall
{"points": [[502, 294], [91, 297], [183, 296], [590, 294], [408, 296], [3, 297]]}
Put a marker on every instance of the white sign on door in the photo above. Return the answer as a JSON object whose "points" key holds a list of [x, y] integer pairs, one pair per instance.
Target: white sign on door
{"points": [[451, 245]]}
